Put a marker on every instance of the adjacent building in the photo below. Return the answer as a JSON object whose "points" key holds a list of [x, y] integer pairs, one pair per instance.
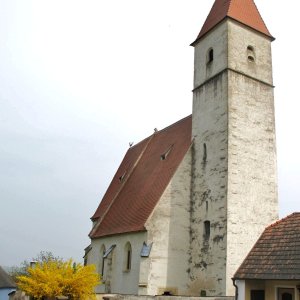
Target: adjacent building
{"points": [[272, 268]]}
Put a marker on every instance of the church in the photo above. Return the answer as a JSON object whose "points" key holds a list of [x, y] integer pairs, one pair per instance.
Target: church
{"points": [[189, 202]]}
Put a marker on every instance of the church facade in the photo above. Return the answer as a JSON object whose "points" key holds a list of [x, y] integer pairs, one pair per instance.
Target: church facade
{"points": [[188, 203]]}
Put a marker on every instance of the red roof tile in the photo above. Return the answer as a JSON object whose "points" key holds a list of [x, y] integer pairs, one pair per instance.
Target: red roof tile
{"points": [[127, 205], [276, 254], [243, 11]]}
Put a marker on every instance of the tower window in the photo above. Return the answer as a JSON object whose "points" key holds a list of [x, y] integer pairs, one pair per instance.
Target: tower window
{"points": [[210, 56], [251, 58], [206, 230], [251, 53]]}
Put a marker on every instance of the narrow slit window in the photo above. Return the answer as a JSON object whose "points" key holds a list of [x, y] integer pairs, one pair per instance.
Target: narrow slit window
{"points": [[206, 230], [102, 260], [204, 153], [127, 257], [210, 56]]}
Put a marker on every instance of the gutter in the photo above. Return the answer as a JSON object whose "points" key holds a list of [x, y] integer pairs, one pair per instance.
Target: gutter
{"points": [[236, 289]]}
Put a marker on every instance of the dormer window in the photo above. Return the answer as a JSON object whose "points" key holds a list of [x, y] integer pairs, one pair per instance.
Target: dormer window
{"points": [[122, 177], [251, 53], [210, 56], [166, 153]]}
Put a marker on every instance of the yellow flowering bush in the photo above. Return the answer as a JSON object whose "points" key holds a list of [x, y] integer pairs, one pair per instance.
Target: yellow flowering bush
{"points": [[57, 278]]}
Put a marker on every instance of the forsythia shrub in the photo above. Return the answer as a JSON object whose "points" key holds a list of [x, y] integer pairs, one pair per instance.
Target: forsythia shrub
{"points": [[57, 278]]}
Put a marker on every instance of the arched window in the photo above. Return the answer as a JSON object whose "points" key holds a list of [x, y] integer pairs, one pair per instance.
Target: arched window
{"points": [[210, 56], [127, 257], [101, 266]]}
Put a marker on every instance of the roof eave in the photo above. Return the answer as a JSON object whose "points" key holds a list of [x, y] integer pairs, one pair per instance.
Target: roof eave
{"points": [[93, 237]]}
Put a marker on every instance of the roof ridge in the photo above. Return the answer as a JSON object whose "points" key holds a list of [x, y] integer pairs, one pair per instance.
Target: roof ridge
{"points": [[169, 126], [282, 220], [98, 222], [158, 131]]}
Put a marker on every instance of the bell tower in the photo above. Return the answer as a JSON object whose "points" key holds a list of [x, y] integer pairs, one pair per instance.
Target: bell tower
{"points": [[234, 180]]}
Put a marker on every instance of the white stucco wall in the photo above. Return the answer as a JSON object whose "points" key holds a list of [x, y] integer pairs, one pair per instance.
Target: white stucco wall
{"points": [[168, 229], [116, 279], [208, 259]]}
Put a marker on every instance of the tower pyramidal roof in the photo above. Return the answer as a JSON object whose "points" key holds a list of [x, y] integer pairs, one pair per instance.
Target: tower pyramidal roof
{"points": [[242, 11]]}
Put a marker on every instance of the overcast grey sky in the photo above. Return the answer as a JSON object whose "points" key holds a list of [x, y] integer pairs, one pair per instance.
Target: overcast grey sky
{"points": [[79, 80]]}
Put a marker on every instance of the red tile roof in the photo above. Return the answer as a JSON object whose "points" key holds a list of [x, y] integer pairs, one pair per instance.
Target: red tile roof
{"points": [[276, 254], [141, 180], [243, 11]]}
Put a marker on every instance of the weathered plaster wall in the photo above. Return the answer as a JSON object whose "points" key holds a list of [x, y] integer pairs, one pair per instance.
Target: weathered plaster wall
{"points": [[209, 188], [239, 38], [252, 175], [217, 40], [168, 228], [209, 176], [252, 185], [234, 177], [116, 279]]}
